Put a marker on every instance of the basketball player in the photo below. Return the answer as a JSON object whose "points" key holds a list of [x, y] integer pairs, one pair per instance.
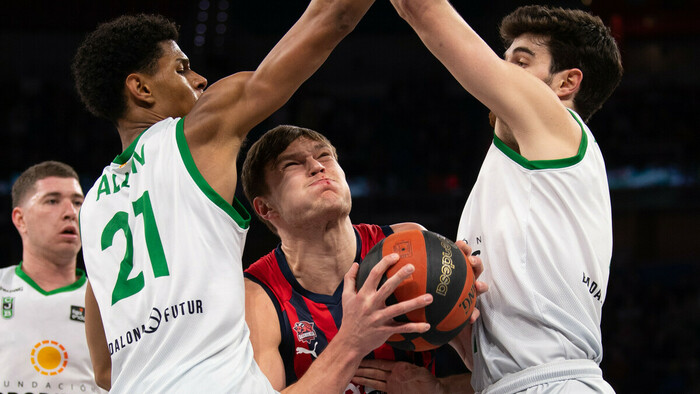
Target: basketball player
{"points": [[292, 178], [162, 232], [539, 213], [43, 314]]}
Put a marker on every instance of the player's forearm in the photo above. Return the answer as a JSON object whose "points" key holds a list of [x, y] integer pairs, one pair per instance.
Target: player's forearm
{"points": [[330, 372]]}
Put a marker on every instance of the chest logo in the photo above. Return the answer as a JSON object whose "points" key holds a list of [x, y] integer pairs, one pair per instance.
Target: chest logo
{"points": [[77, 313], [305, 331], [49, 357], [8, 307]]}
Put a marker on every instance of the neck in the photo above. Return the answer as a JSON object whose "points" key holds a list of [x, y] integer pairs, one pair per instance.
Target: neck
{"points": [[134, 123], [319, 258], [49, 273]]}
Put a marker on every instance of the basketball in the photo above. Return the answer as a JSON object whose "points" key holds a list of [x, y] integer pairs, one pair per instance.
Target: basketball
{"points": [[442, 270]]}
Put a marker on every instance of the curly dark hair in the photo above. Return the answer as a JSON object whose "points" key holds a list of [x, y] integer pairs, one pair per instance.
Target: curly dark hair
{"points": [[576, 39], [24, 185], [265, 151], [114, 50]]}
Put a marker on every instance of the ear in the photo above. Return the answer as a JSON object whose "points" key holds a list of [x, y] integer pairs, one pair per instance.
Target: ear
{"points": [[138, 90], [569, 84], [18, 220], [262, 208]]}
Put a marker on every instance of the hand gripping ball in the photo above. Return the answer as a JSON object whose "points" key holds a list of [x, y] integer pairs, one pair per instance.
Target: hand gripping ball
{"points": [[442, 270]]}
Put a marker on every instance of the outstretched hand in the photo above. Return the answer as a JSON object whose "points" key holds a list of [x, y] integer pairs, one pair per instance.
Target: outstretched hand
{"points": [[367, 321]]}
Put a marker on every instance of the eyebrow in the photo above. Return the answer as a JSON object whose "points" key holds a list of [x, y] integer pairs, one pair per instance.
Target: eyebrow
{"points": [[522, 49], [58, 194], [288, 156]]}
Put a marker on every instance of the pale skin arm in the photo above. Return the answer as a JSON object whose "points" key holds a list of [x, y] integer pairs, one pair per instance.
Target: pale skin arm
{"points": [[220, 120], [367, 323], [534, 112], [97, 342]]}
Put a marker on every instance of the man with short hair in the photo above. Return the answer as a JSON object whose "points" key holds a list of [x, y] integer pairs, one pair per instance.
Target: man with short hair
{"points": [[43, 312], [163, 233], [293, 180], [539, 213]]}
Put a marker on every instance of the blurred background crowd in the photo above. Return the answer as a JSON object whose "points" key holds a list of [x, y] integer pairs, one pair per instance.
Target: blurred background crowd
{"points": [[411, 140]]}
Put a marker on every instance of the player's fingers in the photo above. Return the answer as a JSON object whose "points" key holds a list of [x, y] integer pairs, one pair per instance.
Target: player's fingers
{"points": [[385, 365], [394, 281], [372, 373], [477, 265], [475, 315], [403, 328], [379, 385], [375, 275], [349, 279], [466, 249], [404, 307], [481, 287]]}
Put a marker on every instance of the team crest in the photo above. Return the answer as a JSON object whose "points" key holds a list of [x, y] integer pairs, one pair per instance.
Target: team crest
{"points": [[305, 331], [77, 313], [8, 307]]}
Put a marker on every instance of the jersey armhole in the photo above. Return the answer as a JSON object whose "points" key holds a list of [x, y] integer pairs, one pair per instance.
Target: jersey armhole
{"points": [[286, 340], [235, 210]]}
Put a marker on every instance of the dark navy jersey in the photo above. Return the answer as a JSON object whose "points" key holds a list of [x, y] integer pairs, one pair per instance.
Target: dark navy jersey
{"points": [[308, 321]]}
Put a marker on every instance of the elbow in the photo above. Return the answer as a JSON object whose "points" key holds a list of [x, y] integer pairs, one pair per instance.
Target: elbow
{"points": [[104, 379]]}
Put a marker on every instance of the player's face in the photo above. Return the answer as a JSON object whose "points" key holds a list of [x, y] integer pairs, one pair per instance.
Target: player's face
{"points": [[529, 52], [48, 219], [306, 182], [176, 87]]}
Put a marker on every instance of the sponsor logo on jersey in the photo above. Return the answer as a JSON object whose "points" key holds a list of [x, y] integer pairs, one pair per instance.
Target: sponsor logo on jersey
{"points": [[77, 313], [8, 307], [303, 350], [49, 357], [155, 320], [305, 331], [11, 290], [593, 288]]}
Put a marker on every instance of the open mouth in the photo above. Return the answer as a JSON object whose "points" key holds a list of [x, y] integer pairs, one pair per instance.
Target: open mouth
{"points": [[70, 231]]}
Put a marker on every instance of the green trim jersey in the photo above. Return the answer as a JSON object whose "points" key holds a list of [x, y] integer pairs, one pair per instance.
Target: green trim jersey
{"points": [[42, 337], [163, 251], [543, 230]]}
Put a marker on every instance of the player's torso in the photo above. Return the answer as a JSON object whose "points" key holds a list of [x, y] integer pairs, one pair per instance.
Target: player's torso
{"points": [[163, 252], [310, 320], [42, 337], [544, 233]]}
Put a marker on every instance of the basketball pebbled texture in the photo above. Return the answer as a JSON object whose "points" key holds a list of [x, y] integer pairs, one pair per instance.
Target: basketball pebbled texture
{"points": [[442, 270]]}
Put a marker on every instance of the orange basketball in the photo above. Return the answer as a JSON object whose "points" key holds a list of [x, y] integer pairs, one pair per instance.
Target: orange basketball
{"points": [[442, 270]]}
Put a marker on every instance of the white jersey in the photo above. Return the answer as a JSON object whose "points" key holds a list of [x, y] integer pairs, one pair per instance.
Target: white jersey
{"points": [[543, 230], [163, 251], [42, 337]]}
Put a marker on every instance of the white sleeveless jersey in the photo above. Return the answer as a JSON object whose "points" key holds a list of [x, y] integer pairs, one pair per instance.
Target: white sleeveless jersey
{"points": [[543, 230], [42, 337], [163, 251]]}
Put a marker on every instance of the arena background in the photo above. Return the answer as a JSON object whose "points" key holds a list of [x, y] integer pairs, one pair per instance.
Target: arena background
{"points": [[411, 140]]}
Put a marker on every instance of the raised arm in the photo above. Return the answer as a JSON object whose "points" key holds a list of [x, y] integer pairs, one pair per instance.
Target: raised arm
{"points": [[533, 111], [228, 109], [97, 342]]}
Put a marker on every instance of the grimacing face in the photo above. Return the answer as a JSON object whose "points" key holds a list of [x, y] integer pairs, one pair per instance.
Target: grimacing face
{"points": [[307, 184], [47, 219]]}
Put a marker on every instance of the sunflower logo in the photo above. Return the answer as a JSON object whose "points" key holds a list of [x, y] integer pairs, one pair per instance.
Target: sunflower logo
{"points": [[49, 357]]}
